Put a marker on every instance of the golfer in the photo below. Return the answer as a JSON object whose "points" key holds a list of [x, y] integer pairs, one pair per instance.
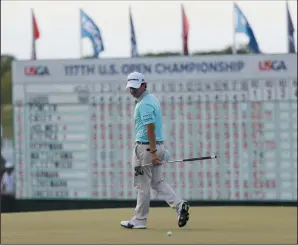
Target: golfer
{"points": [[149, 149]]}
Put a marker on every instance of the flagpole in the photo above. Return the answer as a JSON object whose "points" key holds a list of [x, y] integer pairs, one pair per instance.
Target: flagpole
{"points": [[35, 35], [234, 50], [130, 20], [182, 34], [80, 38], [32, 36], [185, 27], [288, 29]]}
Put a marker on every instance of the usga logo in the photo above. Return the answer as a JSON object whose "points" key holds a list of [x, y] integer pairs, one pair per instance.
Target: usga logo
{"points": [[36, 71], [272, 65]]}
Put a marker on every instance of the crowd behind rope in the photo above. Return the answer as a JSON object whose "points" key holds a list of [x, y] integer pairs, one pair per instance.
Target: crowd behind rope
{"points": [[7, 176]]}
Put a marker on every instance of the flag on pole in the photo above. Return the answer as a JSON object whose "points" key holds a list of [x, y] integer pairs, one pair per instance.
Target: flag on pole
{"points": [[133, 41], [242, 26], [290, 27], [185, 29], [90, 30], [35, 35]]}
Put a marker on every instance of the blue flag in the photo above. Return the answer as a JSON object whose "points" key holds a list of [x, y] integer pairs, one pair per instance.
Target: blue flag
{"points": [[242, 26], [90, 30], [133, 41], [291, 40]]}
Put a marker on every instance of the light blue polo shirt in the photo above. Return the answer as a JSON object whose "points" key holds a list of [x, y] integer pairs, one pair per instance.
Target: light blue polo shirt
{"points": [[148, 111]]}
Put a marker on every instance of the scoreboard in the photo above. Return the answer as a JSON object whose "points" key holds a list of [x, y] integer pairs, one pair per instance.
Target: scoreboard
{"points": [[74, 128]]}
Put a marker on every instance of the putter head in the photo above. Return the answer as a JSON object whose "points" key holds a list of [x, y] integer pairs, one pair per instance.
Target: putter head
{"points": [[139, 171]]}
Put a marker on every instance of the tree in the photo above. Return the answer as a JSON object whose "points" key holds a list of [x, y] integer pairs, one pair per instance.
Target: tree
{"points": [[162, 54], [243, 49], [6, 79]]}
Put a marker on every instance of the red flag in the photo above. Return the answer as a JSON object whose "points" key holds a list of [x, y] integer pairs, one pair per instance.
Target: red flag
{"points": [[35, 35], [185, 27]]}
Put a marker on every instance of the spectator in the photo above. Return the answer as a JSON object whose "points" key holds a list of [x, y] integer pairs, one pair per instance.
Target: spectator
{"points": [[2, 160], [8, 188]]}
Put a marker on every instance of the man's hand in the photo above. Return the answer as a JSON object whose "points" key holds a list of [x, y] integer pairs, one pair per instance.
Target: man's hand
{"points": [[155, 159]]}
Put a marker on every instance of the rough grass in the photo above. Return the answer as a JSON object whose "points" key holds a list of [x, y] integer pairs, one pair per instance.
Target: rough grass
{"points": [[207, 225]]}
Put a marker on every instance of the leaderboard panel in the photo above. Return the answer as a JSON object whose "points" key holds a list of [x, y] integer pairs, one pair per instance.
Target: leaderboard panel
{"points": [[52, 143], [75, 141]]}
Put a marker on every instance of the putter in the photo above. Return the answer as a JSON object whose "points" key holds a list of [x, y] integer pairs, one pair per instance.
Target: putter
{"points": [[140, 171]]}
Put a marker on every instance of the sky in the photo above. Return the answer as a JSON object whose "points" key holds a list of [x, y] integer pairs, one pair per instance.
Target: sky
{"points": [[158, 26]]}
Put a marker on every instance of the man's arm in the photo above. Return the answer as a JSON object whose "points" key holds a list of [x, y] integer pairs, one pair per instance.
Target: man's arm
{"points": [[148, 119], [147, 115], [151, 136], [152, 142]]}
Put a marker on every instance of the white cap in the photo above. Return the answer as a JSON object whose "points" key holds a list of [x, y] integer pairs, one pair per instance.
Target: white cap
{"points": [[134, 80], [8, 165]]}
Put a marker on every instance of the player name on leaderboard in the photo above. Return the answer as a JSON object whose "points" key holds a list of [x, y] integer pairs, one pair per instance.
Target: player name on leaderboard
{"points": [[74, 135], [52, 140]]}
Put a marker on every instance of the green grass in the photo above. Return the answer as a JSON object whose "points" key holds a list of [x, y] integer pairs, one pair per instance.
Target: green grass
{"points": [[207, 225], [7, 121]]}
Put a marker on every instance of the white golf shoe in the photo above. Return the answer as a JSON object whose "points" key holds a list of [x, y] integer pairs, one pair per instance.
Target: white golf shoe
{"points": [[130, 224]]}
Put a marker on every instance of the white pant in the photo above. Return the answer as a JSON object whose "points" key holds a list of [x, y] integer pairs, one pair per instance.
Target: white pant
{"points": [[152, 177]]}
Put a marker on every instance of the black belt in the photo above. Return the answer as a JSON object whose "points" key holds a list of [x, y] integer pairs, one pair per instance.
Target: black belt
{"points": [[147, 143]]}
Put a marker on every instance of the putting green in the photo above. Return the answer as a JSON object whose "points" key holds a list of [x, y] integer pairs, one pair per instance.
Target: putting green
{"points": [[221, 225]]}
